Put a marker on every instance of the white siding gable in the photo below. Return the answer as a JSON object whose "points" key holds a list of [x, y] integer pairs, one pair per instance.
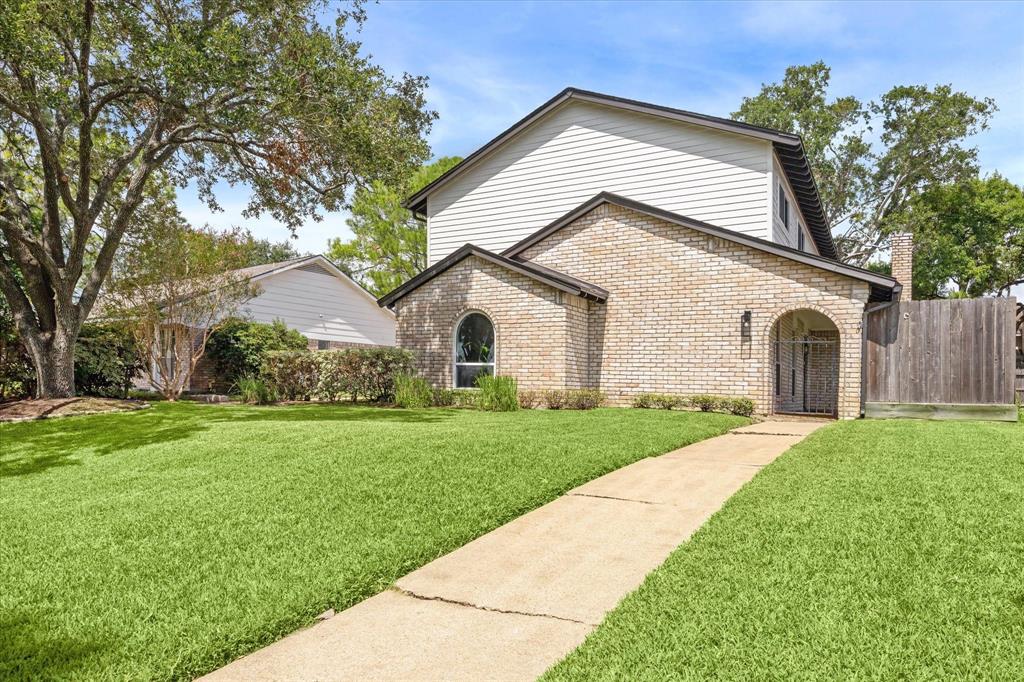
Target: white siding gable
{"points": [[788, 235], [321, 306], [581, 149]]}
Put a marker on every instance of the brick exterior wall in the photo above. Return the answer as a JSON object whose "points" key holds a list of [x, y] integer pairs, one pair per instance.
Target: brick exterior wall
{"points": [[534, 325], [671, 322]]}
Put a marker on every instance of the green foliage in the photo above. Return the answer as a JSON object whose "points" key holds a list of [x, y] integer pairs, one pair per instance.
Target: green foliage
{"points": [[583, 398], [661, 401], [251, 491], [528, 400], [17, 374], [743, 407], [467, 398], [554, 399], [239, 347], [264, 251], [442, 397], [389, 245], [968, 238], [254, 390], [294, 375], [176, 285], [412, 391], [101, 101], [573, 399], [497, 393], [107, 359], [333, 375], [867, 187], [706, 403]]}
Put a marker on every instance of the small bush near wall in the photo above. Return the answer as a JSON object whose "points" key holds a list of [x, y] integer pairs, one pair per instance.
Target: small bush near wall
{"points": [[703, 402], [706, 403], [238, 347], [442, 397], [293, 374], [660, 401], [554, 399], [354, 373], [107, 358], [529, 399], [254, 390], [411, 391], [744, 407], [583, 399], [497, 393]]}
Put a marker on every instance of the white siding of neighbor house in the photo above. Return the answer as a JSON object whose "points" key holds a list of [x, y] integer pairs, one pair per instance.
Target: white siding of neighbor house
{"points": [[787, 234], [321, 306], [581, 149]]}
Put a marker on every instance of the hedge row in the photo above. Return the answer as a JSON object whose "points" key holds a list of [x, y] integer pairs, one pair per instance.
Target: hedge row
{"points": [[702, 402], [329, 375]]}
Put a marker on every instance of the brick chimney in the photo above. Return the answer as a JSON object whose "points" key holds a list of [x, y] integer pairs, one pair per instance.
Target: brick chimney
{"points": [[902, 250]]}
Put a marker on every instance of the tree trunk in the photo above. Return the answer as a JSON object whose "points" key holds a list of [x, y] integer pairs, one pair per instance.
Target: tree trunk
{"points": [[53, 354]]}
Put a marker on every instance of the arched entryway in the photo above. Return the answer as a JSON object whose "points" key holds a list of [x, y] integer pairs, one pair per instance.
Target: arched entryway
{"points": [[804, 364]]}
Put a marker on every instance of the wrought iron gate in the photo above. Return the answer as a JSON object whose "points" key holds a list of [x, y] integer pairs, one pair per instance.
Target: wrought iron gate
{"points": [[806, 376]]}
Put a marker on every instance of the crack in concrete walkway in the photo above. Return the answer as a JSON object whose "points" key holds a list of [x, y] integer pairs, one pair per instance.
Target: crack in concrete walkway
{"points": [[513, 602], [468, 605]]}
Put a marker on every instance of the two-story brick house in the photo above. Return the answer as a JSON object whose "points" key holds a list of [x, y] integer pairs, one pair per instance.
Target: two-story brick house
{"points": [[607, 243]]}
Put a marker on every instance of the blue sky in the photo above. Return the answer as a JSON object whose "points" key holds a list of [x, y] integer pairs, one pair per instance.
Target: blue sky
{"points": [[490, 63]]}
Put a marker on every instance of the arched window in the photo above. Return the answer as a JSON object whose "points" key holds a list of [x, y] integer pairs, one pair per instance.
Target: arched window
{"points": [[474, 349]]}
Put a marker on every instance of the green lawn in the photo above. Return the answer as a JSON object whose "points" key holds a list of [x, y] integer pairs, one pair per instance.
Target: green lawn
{"points": [[164, 543], [872, 550]]}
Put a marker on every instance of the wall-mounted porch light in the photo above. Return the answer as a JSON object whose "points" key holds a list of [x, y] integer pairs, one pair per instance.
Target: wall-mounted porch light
{"points": [[745, 324]]}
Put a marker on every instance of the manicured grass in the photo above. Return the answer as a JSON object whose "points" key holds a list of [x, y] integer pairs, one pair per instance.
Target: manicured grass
{"points": [[164, 543], [872, 550]]}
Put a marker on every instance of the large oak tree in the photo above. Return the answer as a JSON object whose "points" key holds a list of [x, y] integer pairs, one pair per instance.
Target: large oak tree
{"points": [[99, 100]]}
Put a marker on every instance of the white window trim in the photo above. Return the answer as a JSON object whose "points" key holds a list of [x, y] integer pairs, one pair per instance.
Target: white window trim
{"points": [[455, 355]]}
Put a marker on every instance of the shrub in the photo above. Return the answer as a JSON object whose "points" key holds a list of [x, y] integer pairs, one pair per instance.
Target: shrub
{"points": [[370, 372], [335, 374], [239, 347], [741, 406], [666, 401], [706, 403], [644, 401], [254, 390], [466, 398], [107, 358], [412, 391], [583, 399], [528, 399], [443, 397], [554, 399], [497, 393], [293, 374], [17, 373]]}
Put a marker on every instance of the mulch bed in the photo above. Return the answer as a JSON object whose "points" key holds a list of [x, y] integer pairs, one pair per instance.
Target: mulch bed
{"points": [[24, 410]]}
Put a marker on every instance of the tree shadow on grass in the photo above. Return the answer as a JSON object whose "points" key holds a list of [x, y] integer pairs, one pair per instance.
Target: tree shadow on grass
{"points": [[33, 447], [30, 651]]}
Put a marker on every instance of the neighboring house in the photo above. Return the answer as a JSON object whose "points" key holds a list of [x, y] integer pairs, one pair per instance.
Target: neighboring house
{"points": [[607, 243], [311, 295]]}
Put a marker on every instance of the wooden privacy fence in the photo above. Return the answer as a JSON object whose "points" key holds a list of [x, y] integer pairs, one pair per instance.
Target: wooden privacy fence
{"points": [[954, 358]]}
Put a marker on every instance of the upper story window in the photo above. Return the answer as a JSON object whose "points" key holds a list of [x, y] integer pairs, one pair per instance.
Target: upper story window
{"points": [[474, 349], [783, 206], [800, 238]]}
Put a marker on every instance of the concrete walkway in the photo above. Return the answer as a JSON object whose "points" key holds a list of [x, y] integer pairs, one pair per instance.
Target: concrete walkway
{"points": [[512, 603]]}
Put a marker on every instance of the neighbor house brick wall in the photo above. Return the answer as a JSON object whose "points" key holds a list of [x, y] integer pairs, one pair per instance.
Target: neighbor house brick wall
{"points": [[536, 326], [672, 319]]}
